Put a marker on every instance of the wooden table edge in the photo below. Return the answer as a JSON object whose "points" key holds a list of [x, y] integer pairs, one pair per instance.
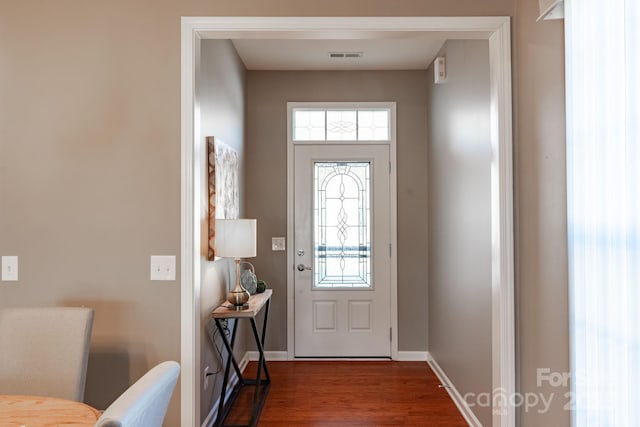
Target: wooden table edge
{"points": [[256, 302], [12, 399]]}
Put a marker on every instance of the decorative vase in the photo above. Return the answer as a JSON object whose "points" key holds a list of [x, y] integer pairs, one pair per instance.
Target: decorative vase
{"points": [[249, 280]]}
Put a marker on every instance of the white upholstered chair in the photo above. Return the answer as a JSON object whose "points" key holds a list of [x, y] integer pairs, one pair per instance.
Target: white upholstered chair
{"points": [[44, 351], [145, 403]]}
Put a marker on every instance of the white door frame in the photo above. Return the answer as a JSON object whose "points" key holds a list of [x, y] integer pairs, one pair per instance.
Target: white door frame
{"points": [[393, 215], [494, 29]]}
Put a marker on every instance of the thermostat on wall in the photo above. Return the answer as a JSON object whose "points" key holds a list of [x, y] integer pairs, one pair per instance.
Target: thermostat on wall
{"points": [[439, 70]]}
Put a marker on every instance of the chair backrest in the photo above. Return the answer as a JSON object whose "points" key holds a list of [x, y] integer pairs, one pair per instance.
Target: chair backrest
{"points": [[44, 351], [145, 403]]}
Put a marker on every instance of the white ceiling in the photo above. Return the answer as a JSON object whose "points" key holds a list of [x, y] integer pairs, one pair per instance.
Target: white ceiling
{"points": [[391, 51]]}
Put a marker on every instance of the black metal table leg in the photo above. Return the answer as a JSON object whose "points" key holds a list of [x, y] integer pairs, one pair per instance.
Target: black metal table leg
{"points": [[229, 347], [264, 332], [256, 303], [230, 359]]}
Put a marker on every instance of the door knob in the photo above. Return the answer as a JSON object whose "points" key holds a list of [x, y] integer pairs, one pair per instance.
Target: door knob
{"points": [[302, 267]]}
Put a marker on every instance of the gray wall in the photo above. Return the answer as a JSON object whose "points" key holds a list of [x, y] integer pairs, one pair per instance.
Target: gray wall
{"points": [[266, 178], [460, 219], [90, 169], [221, 92], [90, 176], [541, 219]]}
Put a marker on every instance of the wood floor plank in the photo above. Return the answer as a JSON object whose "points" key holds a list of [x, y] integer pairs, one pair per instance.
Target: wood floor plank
{"points": [[350, 394]]}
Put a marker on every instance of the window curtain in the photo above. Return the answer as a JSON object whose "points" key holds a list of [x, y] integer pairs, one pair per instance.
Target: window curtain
{"points": [[603, 196]]}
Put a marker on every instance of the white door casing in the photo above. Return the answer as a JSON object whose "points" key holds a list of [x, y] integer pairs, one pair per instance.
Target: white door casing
{"points": [[334, 318], [494, 29]]}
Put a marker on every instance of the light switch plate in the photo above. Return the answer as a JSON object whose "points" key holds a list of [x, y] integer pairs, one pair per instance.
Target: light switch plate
{"points": [[278, 244], [163, 267], [9, 269]]}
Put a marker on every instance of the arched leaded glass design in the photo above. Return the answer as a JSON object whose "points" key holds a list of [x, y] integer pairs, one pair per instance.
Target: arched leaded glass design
{"points": [[342, 218]]}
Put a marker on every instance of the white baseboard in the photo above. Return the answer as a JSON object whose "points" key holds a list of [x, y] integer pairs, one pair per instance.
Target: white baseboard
{"points": [[281, 356], [233, 380], [412, 356], [273, 356], [462, 405]]}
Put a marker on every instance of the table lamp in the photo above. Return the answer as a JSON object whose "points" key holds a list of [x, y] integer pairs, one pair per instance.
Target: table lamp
{"points": [[236, 238]]}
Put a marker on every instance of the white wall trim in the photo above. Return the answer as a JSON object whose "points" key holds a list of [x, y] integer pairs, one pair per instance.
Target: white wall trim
{"points": [[495, 29], [462, 404], [296, 27], [502, 237], [393, 235], [283, 356], [233, 380], [271, 356], [412, 356], [189, 245], [290, 242]]}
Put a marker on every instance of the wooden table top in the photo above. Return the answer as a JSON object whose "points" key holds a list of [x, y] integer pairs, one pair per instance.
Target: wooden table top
{"points": [[40, 411], [256, 302]]}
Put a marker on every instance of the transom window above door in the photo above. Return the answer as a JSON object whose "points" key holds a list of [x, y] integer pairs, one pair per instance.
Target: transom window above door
{"points": [[342, 123]]}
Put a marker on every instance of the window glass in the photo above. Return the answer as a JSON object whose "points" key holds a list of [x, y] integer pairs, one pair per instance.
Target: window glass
{"points": [[355, 124], [309, 125], [342, 218]]}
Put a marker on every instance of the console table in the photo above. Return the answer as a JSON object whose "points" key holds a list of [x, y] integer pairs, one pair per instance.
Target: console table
{"points": [[250, 311]]}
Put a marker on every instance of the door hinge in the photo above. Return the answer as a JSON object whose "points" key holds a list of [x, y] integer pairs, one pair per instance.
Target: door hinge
{"points": [[390, 334], [389, 168], [390, 251]]}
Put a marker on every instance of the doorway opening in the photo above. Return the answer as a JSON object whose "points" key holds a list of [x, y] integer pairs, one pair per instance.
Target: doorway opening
{"points": [[495, 30]]}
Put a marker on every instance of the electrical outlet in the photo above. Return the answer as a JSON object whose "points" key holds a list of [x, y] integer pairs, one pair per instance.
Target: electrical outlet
{"points": [[163, 267], [206, 378], [9, 269]]}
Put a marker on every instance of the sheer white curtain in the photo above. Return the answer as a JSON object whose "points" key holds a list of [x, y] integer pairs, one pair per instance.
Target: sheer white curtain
{"points": [[603, 176]]}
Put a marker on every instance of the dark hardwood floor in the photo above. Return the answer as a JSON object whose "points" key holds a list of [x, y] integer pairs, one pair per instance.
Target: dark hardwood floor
{"points": [[350, 393]]}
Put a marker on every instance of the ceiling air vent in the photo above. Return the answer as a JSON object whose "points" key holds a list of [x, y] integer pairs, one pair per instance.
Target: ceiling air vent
{"points": [[341, 55]]}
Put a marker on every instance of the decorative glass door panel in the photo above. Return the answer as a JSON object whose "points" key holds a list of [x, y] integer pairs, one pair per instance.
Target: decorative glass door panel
{"points": [[342, 218]]}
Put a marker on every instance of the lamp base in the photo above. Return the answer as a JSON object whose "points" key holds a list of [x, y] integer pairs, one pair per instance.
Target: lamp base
{"points": [[238, 297]]}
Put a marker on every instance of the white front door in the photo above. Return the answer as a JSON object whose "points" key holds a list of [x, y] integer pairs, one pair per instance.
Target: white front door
{"points": [[342, 251]]}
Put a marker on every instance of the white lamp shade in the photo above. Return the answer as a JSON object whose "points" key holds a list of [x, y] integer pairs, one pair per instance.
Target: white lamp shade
{"points": [[235, 238]]}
